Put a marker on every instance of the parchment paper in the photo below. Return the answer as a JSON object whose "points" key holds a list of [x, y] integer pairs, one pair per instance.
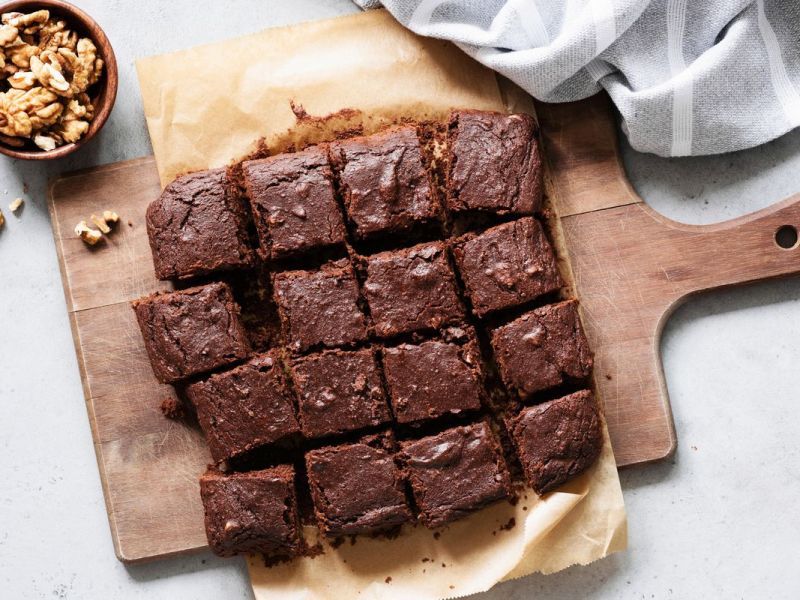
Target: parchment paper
{"points": [[205, 107]]}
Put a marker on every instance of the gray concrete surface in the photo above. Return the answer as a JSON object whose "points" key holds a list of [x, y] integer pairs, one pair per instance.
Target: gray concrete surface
{"points": [[720, 520]]}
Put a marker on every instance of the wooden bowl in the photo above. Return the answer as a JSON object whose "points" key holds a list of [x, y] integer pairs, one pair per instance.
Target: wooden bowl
{"points": [[103, 93]]}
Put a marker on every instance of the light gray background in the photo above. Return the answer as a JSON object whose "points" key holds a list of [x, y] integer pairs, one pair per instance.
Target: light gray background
{"points": [[720, 520]]}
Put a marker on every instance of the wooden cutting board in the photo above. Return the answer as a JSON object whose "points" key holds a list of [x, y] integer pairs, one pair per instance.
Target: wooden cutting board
{"points": [[630, 268]]}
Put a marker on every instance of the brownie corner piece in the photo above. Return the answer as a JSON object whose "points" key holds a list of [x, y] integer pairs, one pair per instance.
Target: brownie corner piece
{"points": [[385, 186], [196, 227], [320, 308], [244, 408], [432, 379], [557, 440], [493, 163], [293, 202], [542, 349], [412, 289], [357, 489], [506, 265], [252, 513], [191, 331], [455, 472], [339, 391]]}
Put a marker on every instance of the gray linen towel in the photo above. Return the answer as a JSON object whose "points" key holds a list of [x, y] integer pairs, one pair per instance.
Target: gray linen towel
{"points": [[688, 76]]}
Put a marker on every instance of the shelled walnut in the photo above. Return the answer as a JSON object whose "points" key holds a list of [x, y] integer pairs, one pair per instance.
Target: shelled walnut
{"points": [[45, 71]]}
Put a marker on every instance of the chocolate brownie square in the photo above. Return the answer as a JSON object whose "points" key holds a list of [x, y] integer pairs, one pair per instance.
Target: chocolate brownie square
{"points": [[191, 331], [357, 488], [252, 513], [542, 349], [411, 289], [320, 308], [506, 265], [428, 380], [244, 408], [455, 472], [557, 440], [293, 202], [384, 184], [493, 163], [338, 392], [197, 227]]}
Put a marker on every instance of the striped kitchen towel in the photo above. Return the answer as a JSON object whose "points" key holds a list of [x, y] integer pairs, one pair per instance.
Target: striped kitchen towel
{"points": [[688, 76]]}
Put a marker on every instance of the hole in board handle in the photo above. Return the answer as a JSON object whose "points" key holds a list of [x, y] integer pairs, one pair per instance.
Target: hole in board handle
{"points": [[786, 237]]}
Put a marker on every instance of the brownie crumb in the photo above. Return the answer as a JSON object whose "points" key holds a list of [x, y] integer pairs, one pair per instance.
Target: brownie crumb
{"points": [[426, 560], [444, 566], [437, 535], [388, 580], [314, 551], [172, 408], [608, 376], [510, 524]]}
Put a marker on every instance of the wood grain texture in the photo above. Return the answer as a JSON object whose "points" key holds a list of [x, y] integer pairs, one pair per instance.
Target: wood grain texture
{"points": [[629, 266]]}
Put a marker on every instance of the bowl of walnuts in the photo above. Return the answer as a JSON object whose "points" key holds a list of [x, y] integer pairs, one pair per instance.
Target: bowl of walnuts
{"points": [[58, 79]]}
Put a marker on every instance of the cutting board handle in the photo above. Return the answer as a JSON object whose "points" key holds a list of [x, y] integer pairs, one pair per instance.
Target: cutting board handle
{"points": [[755, 247], [631, 267]]}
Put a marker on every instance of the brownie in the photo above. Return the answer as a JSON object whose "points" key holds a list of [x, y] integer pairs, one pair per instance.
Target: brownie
{"points": [[506, 265], [320, 308], [384, 184], [357, 488], [493, 163], [191, 331], [253, 512], [542, 349], [293, 202], [195, 227], [557, 440], [411, 289], [432, 379], [338, 392], [244, 408], [455, 472]]}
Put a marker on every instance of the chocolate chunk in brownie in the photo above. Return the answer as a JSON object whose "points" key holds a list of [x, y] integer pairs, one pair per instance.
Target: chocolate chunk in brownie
{"points": [[252, 513], [320, 308], [293, 202], [432, 379], [557, 440], [493, 163], [338, 392], [506, 265], [411, 289], [455, 472], [542, 349], [384, 184], [191, 331], [357, 488], [244, 408], [197, 227]]}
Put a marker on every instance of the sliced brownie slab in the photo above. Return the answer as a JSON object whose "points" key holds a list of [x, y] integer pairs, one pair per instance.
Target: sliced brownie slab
{"points": [[542, 349], [293, 202], [196, 227], [411, 289], [506, 265], [192, 331], [339, 392], [493, 163], [432, 379], [455, 473], [320, 308], [357, 488], [557, 440], [252, 513], [244, 408], [384, 184]]}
